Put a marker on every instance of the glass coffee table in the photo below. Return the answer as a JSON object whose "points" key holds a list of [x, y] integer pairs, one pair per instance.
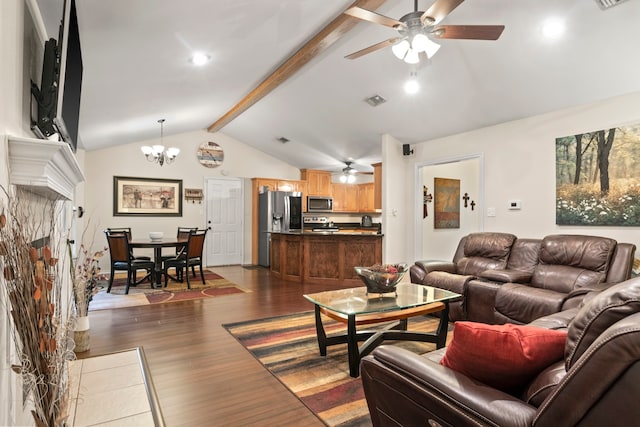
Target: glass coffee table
{"points": [[354, 307]]}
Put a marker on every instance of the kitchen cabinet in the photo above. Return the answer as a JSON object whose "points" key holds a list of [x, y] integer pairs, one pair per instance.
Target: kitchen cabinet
{"points": [[318, 182], [345, 197], [323, 258], [377, 186], [366, 197]]}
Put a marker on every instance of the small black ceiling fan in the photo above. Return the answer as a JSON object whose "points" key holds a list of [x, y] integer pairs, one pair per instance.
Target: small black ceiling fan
{"points": [[417, 28]]}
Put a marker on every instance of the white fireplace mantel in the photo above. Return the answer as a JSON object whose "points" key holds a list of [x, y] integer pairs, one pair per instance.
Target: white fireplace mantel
{"points": [[47, 168]]}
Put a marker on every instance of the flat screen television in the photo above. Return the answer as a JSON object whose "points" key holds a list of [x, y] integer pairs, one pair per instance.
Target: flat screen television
{"points": [[61, 85]]}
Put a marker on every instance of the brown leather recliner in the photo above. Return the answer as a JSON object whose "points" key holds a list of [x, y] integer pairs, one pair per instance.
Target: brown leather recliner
{"points": [[476, 253], [597, 383]]}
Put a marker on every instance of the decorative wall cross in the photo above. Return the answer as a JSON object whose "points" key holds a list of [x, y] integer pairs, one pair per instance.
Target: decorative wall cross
{"points": [[473, 204], [466, 199], [426, 198]]}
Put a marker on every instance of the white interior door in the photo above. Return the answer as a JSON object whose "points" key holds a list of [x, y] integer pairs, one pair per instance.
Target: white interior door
{"points": [[224, 204]]}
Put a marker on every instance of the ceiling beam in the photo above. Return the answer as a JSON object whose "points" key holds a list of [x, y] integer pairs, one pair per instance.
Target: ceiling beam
{"points": [[318, 44]]}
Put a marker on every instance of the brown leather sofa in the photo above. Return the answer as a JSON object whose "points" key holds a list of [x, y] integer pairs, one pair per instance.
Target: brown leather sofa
{"points": [[505, 279], [597, 383]]}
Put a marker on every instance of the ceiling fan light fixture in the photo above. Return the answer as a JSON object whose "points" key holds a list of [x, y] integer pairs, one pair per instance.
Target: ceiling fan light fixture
{"points": [[432, 48], [419, 42], [400, 49], [412, 57], [351, 179], [343, 178]]}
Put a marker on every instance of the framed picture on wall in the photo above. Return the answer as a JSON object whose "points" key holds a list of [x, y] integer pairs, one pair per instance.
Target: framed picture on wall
{"points": [[446, 203], [147, 196]]}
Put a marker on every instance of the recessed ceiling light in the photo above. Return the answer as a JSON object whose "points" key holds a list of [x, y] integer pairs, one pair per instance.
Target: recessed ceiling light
{"points": [[200, 58], [553, 28], [412, 86]]}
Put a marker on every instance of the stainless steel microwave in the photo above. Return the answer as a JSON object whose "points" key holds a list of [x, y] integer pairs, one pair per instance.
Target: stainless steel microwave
{"points": [[319, 204]]}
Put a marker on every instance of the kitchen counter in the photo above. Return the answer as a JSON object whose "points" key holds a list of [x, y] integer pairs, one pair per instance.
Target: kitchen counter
{"points": [[329, 233], [324, 257]]}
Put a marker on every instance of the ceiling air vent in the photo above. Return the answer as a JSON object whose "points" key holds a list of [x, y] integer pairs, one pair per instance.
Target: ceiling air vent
{"points": [[606, 4], [283, 139], [375, 100]]}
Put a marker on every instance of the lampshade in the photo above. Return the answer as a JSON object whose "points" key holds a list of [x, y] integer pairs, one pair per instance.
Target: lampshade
{"points": [[419, 42], [412, 57], [400, 49], [431, 48]]}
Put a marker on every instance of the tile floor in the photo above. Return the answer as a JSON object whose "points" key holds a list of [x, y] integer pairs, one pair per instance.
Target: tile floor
{"points": [[110, 390]]}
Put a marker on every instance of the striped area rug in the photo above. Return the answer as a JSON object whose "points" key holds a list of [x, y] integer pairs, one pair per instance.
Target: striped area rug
{"points": [[287, 347]]}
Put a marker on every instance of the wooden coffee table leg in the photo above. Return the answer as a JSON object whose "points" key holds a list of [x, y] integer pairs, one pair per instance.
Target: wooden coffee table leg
{"points": [[322, 336], [352, 346]]}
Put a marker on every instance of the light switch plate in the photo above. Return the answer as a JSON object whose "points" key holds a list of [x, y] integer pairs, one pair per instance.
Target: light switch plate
{"points": [[491, 211]]}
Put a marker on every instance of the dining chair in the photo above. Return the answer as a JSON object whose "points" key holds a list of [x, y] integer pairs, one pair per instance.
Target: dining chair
{"points": [[182, 234], [191, 255], [119, 253], [127, 232]]}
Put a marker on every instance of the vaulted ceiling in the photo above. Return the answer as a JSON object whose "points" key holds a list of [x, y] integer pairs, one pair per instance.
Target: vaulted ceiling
{"points": [[137, 70]]}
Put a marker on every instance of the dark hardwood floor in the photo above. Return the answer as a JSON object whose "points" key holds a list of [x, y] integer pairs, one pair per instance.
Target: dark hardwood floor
{"points": [[202, 375]]}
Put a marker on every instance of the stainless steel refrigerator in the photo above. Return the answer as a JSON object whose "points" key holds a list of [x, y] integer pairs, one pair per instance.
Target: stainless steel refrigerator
{"points": [[278, 211]]}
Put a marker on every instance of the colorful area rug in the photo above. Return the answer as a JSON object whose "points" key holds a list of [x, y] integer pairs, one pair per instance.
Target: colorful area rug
{"points": [[287, 347], [143, 294]]}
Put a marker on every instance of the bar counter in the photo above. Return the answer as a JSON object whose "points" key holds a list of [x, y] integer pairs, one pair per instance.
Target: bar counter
{"points": [[324, 257]]}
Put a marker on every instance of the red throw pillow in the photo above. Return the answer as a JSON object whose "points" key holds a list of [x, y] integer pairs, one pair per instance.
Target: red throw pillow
{"points": [[506, 357]]}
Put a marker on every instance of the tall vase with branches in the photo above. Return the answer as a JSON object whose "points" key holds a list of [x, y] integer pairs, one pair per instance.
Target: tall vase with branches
{"points": [[85, 273], [31, 280]]}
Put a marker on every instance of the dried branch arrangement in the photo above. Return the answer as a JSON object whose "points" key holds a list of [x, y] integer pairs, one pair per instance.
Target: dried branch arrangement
{"points": [[85, 274], [32, 286]]}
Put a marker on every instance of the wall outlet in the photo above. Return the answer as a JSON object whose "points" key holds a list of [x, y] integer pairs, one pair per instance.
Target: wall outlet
{"points": [[491, 211]]}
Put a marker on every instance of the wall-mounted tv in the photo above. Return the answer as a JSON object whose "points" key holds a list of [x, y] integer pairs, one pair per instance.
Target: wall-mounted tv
{"points": [[60, 90]]}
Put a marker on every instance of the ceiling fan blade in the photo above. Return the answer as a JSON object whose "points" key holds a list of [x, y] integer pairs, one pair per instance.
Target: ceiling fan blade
{"points": [[439, 10], [373, 48], [469, 32], [376, 18]]}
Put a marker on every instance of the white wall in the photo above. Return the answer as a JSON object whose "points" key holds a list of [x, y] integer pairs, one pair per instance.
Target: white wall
{"points": [[519, 163], [240, 161], [16, 43], [432, 242]]}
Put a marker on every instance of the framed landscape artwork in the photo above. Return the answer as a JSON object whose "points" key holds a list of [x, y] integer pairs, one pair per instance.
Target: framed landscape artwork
{"points": [[598, 177], [147, 196], [446, 205]]}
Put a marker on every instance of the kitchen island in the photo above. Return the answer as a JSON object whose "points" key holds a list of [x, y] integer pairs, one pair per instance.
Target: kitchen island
{"points": [[324, 257]]}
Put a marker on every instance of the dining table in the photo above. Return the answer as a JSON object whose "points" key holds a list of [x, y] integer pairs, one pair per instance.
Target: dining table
{"points": [[157, 245]]}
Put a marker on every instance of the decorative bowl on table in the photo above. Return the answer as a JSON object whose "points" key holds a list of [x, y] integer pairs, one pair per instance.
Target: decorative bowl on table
{"points": [[381, 279], [156, 236]]}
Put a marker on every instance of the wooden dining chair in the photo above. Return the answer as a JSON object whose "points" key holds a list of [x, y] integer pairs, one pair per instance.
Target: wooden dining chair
{"points": [[191, 255], [127, 232], [182, 234], [119, 253]]}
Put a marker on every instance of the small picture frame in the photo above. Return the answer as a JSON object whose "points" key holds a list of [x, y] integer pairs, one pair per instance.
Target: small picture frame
{"points": [[147, 196]]}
